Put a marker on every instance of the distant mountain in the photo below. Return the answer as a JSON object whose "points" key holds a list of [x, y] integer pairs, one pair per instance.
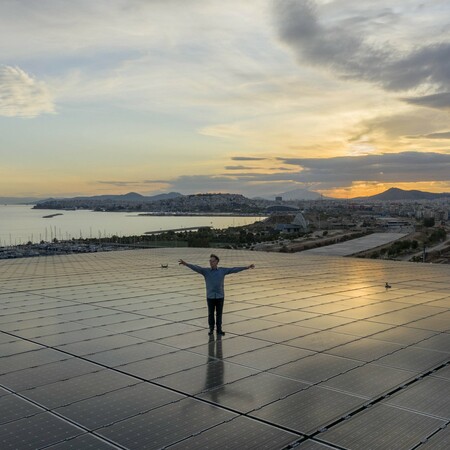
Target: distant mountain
{"points": [[130, 197], [394, 194], [295, 194], [19, 200]]}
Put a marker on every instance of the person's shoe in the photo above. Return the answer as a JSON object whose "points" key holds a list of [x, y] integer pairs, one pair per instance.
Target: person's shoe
{"points": [[210, 332], [221, 332]]}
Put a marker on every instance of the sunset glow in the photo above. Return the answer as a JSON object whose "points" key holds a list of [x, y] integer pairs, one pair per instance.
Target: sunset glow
{"points": [[343, 97]]}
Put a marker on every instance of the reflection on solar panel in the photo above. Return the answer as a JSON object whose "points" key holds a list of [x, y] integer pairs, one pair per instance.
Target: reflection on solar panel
{"points": [[108, 351]]}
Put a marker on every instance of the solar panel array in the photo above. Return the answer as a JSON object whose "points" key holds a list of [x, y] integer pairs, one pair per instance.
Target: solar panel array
{"points": [[111, 351]]}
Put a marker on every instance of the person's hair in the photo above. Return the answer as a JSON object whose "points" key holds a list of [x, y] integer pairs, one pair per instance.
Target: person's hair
{"points": [[212, 255]]}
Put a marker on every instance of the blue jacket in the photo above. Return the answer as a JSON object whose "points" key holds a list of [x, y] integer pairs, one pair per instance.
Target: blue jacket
{"points": [[214, 278]]}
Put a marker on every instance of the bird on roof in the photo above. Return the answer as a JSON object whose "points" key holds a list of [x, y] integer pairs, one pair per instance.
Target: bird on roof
{"points": [[387, 285], [164, 266]]}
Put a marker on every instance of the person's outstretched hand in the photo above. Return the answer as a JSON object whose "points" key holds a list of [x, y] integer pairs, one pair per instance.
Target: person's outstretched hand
{"points": [[251, 266], [180, 261]]}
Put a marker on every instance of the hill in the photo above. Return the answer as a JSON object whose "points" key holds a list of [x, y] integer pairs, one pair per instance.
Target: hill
{"points": [[171, 202], [396, 194], [130, 197]]}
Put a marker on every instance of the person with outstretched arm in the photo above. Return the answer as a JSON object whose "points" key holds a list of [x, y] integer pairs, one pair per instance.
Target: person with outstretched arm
{"points": [[215, 295]]}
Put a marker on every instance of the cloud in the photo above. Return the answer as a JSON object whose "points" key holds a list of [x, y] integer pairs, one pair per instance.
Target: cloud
{"points": [[319, 174], [443, 135], [387, 167], [119, 183], [204, 183], [247, 158], [352, 55], [437, 101], [248, 185], [239, 167], [395, 126], [146, 55], [21, 95]]}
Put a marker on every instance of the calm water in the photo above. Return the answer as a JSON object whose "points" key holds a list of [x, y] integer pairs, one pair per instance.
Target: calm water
{"points": [[20, 224]]}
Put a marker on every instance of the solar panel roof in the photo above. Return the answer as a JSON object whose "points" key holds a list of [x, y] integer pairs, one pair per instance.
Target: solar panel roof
{"points": [[111, 351]]}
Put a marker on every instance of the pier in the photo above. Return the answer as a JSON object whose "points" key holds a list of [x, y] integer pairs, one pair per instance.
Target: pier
{"points": [[178, 229]]}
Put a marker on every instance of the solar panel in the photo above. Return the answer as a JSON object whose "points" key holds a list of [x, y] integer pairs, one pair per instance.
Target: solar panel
{"points": [[163, 331], [428, 396], [270, 357], [232, 346], [316, 368], [36, 431], [309, 410], [54, 329], [69, 337], [253, 392], [439, 342], [362, 328], [403, 335], [31, 359], [185, 340], [438, 441], [370, 380], [249, 326], [85, 442], [3, 392], [241, 432], [78, 388], [282, 333], [13, 408], [111, 407], [325, 322], [443, 372], [163, 365], [6, 338], [18, 346], [165, 425], [439, 323], [214, 374], [99, 344], [109, 351], [365, 349], [310, 444], [415, 359], [130, 353], [47, 373], [401, 429], [321, 340]]}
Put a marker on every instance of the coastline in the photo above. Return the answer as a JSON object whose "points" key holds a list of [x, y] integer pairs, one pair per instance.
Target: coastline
{"points": [[200, 214], [21, 223]]}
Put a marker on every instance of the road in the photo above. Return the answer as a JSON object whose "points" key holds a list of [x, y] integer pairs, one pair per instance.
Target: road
{"points": [[362, 244]]}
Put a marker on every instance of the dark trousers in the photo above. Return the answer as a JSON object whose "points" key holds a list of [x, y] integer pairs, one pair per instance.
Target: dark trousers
{"points": [[215, 304]]}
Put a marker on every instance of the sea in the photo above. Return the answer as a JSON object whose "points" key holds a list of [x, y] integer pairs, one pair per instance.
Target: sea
{"points": [[20, 224]]}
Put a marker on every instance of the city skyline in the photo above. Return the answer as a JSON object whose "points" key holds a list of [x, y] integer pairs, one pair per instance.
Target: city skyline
{"points": [[347, 98]]}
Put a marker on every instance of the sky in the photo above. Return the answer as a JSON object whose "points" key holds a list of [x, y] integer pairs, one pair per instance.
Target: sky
{"points": [[257, 97]]}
